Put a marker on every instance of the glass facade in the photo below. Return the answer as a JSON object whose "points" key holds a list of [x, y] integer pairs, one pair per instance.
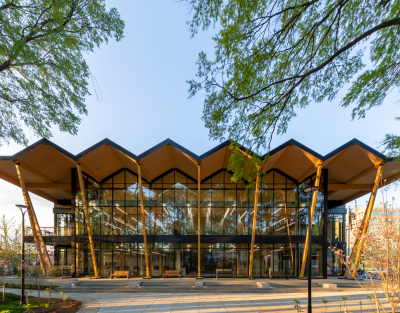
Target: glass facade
{"points": [[183, 257], [170, 206], [171, 216]]}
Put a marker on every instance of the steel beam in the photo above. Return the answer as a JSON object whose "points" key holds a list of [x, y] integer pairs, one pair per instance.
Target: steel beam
{"points": [[359, 242], [198, 219], [143, 220], [307, 244], [253, 233], [287, 225], [86, 212], [37, 234]]}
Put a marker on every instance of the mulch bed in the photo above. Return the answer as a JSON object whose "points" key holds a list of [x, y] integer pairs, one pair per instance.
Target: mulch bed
{"points": [[58, 306]]}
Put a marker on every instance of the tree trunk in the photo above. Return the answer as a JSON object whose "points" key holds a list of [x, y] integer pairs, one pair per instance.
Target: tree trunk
{"points": [[5, 65], [49, 295]]}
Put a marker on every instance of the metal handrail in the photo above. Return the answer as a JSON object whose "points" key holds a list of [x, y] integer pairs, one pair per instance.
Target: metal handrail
{"points": [[51, 231]]}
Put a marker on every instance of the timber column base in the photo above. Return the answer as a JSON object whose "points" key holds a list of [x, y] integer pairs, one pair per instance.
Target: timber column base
{"points": [[146, 277]]}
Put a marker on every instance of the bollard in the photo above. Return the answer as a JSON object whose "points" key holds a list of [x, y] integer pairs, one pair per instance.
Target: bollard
{"points": [[26, 297], [4, 293]]}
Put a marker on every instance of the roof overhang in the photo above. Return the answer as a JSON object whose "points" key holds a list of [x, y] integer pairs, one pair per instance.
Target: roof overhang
{"points": [[46, 167]]}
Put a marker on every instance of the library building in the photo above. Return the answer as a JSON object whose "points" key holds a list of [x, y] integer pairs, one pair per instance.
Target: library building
{"points": [[168, 209]]}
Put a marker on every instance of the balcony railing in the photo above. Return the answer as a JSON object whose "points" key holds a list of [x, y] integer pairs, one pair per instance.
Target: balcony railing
{"points": [[51, 231]]}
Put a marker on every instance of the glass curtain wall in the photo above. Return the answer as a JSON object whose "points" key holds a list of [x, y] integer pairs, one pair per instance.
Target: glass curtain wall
{"points": [[183, 257], [170, 206]]}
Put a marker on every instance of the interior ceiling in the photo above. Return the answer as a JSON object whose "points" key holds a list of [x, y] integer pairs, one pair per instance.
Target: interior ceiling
{"points": [[46, 167]]}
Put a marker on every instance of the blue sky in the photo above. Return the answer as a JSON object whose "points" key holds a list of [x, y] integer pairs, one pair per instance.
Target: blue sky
{"points": [[144, 99]]}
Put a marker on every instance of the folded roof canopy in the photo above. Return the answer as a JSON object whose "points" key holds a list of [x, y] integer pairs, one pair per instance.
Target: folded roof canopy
{"points": [[46, 167]]}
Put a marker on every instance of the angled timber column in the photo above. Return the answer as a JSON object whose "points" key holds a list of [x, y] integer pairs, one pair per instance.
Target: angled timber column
{"points": [[143, 219], [307, 244], [85, 210], [253, 233], [359, 242], [39, 241], [198, 219]]}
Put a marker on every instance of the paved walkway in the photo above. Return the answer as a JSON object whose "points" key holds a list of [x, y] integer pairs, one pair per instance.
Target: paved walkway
{"points": [[215, 303]]}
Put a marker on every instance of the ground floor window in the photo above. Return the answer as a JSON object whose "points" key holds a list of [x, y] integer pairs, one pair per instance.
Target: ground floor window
{"points": [[183, 257], [334, 267]]}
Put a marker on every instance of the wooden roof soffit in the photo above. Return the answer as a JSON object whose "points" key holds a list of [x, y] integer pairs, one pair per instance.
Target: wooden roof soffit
{"points": [[363, 173], [34, 172], [16, 182], [189, 157], [72, 164], [282, 156], [350, 187], [226, 158], [310, 171], [341, 154], [145, 174], [48, 186], [387, 181], [67, 160], [116, 157], [87, 171], [197, 163], [171, 156], [9, 178]]}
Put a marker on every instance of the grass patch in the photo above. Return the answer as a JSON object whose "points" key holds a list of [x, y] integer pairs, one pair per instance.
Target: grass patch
{"points": [[56, 305], [11, 303]]}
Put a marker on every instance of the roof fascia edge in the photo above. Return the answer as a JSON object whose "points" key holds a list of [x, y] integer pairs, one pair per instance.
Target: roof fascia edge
{"points": [[224, 144], [35, 145], [106, 141], [297, 144], [215, 149], [172, 143], [355, 141]]}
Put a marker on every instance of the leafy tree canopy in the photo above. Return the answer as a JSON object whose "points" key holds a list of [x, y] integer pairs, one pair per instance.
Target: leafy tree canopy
{"points": [[273, 57], [43, 75]]}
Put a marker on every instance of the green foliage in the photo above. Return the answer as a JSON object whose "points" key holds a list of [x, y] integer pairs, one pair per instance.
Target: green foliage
{"points": [[245, 166], [273, 57], [10, 245], [65, 297], [297, 306], [57, 272], [43, 75], [11, 305], [324, 301]]}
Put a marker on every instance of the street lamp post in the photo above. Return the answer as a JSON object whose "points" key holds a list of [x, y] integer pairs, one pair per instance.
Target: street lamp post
{"points": [[310, 192], [23, 209]]}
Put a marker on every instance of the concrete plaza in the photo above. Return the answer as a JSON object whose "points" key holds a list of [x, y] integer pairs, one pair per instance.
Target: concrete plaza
{"points": [[216, 302]]}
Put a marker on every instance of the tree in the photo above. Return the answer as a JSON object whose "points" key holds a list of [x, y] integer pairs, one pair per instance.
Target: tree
{"points": [[10, 245], [43, 75], [380, 253], [273, 57]]}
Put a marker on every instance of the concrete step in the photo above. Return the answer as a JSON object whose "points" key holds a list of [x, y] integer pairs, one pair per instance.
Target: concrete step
{"points": [[95, 282], [206, 289]]}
